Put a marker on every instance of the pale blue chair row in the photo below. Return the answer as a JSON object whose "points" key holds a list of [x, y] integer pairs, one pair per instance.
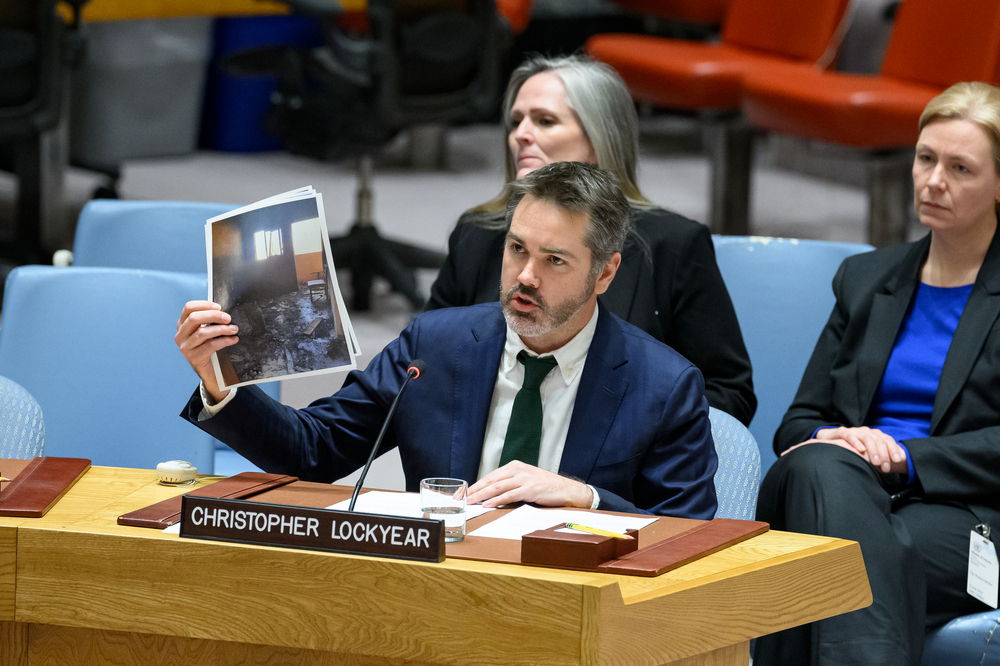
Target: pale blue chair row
{"points": [[738, 476], [94, 346], [781, 290], [22, 425], [155, 235]]}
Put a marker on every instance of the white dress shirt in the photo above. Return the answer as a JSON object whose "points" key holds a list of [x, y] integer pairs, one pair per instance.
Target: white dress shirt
{"points": [[558, 391]]}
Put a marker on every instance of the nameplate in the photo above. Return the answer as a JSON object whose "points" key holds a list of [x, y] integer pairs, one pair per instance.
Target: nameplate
{"points": [[263, 524]]}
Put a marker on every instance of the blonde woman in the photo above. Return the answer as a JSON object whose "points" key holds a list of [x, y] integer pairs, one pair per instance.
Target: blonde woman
{"points": [[893, 439]]}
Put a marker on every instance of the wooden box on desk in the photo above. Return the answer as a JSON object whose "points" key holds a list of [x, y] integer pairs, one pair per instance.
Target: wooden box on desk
{"points": [[573, 550]]}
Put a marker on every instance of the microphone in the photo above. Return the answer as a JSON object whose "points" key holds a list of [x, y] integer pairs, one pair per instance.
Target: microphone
{"points": [[415, 369]]}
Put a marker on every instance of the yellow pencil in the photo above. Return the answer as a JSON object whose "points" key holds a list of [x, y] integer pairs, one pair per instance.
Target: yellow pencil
{"points": [[598, 531]]}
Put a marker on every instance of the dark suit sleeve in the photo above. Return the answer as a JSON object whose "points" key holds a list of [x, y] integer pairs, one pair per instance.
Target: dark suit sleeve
{"points": [[812, 406], [675, 475], [322, 442], [960, 466], [703, 327]]}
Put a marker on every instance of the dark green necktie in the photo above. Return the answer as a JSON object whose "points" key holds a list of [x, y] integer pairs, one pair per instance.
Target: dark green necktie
{"points": [[524, 432]]}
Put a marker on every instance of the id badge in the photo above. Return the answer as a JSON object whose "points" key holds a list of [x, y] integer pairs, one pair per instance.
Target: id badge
{"points": [[984, 569]]}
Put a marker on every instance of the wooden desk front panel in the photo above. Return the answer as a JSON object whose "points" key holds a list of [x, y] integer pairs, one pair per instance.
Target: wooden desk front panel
{"points": [[8, 571], [117, 585], [47, 644], [720, 609], [407, 611], [294, 599]]}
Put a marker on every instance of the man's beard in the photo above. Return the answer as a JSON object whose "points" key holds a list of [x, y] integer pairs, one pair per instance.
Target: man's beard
{"points": [[545, 318]]}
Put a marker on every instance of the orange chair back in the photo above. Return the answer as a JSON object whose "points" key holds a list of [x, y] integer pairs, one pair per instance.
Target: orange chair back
{"points": [[796, 29], [517, 13], [940, 42]]}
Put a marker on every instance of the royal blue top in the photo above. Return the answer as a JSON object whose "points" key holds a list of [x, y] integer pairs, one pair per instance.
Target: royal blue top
{"points": [[904, 399]]}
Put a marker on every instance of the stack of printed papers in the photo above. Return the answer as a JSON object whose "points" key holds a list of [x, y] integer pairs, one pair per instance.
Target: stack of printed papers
{"points": [[270, 268]]}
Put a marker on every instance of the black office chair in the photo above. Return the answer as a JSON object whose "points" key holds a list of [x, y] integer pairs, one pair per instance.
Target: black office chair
{"points": [[36, 52], [419, 62]]}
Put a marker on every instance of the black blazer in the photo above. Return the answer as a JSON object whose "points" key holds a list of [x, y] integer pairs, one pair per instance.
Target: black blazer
{"points": [[668, 285], [960, 460]]}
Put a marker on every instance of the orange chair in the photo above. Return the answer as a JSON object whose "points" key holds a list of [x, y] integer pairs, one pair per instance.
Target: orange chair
{"points": [[934, 44], [517, 13], [763, 37]]}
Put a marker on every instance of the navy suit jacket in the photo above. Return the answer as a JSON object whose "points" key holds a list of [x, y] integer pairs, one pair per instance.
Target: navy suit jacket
{"points": [[668, 284], [639, 432]]}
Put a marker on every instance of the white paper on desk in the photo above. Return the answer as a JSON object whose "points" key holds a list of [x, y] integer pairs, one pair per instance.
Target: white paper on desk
{"points": [[397, 504], [525, 519]]}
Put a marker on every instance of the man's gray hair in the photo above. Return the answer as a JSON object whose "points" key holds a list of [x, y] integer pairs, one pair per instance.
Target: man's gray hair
{"points": [[581, 188]]}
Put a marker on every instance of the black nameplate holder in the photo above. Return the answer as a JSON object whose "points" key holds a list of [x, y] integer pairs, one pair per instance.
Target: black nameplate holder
{"points": [[263, 524]]}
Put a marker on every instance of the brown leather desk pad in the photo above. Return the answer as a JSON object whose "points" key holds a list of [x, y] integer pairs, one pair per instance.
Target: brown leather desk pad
{"points": [[661, 547], [240, 486], [38, 484], [11, 467]]}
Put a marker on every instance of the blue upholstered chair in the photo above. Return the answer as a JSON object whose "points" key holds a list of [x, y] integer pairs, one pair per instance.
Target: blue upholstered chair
{"points": [[781, 291], [973, 639], [95, 347], [156, 235], [153, 235], [970, 639], [22, 428], [738, 477]]}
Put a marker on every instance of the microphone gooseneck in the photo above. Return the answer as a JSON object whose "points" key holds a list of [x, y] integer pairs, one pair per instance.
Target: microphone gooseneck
{"points": [[413, 371]]}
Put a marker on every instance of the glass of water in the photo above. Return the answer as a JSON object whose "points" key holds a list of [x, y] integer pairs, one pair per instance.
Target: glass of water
{"points": [[444, 499]]}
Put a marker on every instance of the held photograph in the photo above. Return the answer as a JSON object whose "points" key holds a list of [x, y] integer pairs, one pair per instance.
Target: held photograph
{"points": [[271, 269]]}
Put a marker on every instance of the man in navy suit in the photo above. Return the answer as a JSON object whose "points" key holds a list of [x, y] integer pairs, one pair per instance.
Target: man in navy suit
{"points": [[624, 418]]}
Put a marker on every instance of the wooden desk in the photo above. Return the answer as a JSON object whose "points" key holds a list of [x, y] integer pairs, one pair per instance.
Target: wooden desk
{"points": [[75, 587]]}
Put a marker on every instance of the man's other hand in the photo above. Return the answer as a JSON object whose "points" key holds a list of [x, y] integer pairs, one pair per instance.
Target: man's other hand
{"points": [[519, 482]]}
